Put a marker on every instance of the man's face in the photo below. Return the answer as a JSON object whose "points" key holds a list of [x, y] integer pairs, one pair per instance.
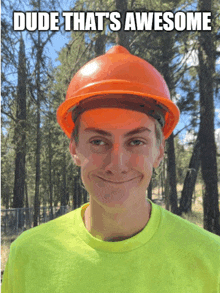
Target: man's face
{"points": [[117, 151]]}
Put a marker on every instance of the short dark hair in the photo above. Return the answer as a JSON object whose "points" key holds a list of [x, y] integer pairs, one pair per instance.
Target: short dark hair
{"points": [[75, 132]]}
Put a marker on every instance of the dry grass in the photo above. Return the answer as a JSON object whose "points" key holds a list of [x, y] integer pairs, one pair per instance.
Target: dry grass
{"points": [[196, 216], [5, 248], [4, 254]]}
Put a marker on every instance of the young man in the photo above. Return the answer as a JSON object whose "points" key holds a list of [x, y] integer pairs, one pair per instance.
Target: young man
{"points": [[117, 115]]}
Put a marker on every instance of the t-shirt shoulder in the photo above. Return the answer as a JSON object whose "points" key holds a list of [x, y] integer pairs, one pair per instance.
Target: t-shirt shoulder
{"points": [[174, 224], [45, 231]]}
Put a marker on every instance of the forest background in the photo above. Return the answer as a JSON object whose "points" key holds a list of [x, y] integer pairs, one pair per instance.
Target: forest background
{"points": [[37, 169]]}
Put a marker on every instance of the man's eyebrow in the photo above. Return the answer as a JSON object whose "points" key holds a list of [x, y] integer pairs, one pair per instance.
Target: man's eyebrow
{"points": [[97, 130], [136, 131], [105, 133]]}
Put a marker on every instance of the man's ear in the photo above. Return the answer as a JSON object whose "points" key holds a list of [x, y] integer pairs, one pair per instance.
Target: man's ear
{"points": [[72, 148], [160, 154]]}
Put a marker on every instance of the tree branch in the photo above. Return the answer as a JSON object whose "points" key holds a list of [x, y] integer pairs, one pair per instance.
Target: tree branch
{"points": [[9, 115]]}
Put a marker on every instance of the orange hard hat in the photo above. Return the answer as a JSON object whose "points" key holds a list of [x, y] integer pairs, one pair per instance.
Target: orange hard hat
{"points": [[118, 73]]}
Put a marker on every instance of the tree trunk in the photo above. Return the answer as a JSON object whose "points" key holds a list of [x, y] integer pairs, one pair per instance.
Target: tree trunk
{"points": [[38, 138], [26, 196], [75, 195], [27, 213], [122, 36], [171, 170], [167, 193], [80, 188], [100, 44], [85, 195], [20, 132], [50, 173], [190, 180], [7, 192], [64, 193], [149, 190], [37, 178], [208, 146], [166, 70], [163, 179]]}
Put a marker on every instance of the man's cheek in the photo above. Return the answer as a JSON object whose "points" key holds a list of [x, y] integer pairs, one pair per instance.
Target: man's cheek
{"points": [[142, 163], [91, 164], [136, 161]]}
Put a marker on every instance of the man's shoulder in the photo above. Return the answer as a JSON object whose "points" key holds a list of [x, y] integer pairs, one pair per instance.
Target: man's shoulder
{"points": [[187, 231], [47, 232]]}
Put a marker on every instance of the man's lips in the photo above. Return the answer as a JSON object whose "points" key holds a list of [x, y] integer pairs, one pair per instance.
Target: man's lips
{"points": [[117, 182]]}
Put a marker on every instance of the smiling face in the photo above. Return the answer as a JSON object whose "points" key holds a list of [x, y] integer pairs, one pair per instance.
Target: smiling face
{"points": [[117, 152]]}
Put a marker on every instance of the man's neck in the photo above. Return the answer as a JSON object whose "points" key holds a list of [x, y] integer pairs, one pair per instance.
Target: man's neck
{"points": [[109, 226]]}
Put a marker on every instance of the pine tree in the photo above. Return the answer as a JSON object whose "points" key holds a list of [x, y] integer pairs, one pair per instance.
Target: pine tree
{"points": [[207, 138], [20, 131]]}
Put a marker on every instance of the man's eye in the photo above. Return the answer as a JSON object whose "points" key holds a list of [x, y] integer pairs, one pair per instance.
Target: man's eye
{"points": [[97, 142], [136, 142]]}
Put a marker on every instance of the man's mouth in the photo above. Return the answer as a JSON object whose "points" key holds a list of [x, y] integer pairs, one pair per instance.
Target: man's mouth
{"points": [[116, 182]]}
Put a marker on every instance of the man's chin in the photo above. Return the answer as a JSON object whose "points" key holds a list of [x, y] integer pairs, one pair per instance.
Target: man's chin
{"points": [[112, 198]]}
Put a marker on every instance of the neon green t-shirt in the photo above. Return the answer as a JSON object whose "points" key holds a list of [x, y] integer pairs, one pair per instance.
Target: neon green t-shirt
{"points": [[169, 255]]}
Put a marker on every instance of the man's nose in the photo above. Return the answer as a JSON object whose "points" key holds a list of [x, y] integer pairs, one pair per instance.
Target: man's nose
{"points": [[117, 160]]}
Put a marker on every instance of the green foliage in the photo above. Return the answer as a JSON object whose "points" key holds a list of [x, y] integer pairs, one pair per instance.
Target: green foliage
{"points": [[7, 168]]}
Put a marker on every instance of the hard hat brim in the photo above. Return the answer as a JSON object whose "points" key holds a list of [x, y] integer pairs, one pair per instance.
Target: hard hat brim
{"points": [[64, 112]]}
